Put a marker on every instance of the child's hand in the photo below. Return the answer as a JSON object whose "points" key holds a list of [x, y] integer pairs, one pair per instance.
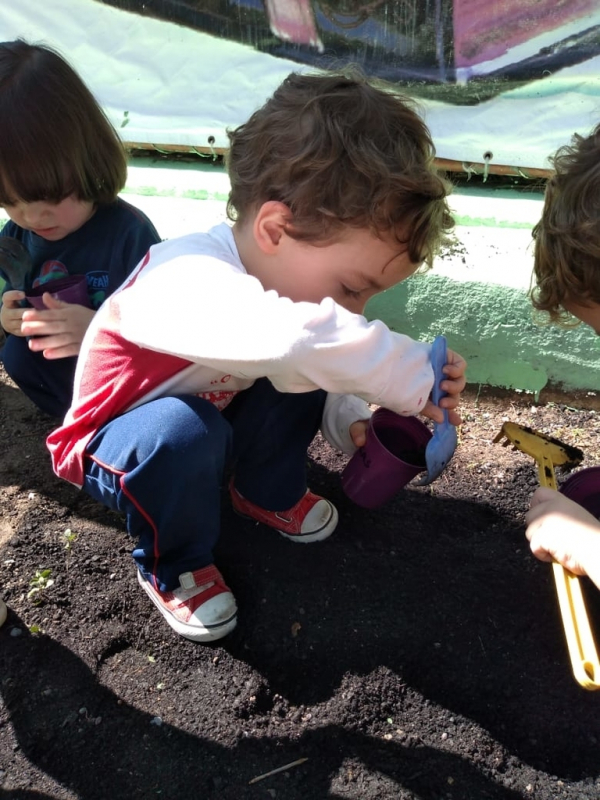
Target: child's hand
{"points": [[358, 432], [59, 329], [455, 370], [11, 312], [560, 530]]}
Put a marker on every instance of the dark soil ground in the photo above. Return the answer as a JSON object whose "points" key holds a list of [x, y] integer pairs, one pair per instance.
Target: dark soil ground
{"points": [[416, 654]]}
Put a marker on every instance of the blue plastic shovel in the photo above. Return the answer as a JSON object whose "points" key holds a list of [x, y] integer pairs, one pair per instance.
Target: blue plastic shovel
{"points": [[15, 263], [442, 444]]}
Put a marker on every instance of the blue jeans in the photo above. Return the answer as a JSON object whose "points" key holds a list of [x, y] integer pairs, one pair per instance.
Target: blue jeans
{"points": [[162, 465], [49, 384]]}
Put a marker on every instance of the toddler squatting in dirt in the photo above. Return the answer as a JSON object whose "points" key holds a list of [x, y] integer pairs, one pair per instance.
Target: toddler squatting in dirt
{"points": [[224, 352], [62, 166], [567, 284]]}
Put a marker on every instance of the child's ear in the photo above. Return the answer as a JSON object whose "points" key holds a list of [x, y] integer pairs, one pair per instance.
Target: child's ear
{"points": [[270, 224]]}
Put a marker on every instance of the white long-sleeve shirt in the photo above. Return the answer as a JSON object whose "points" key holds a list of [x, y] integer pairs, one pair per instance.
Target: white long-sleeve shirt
{"points": [[191, 320]]}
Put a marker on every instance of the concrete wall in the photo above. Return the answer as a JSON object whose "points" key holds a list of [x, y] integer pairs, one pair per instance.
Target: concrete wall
{"points": [[476, 294], [493, 327]]}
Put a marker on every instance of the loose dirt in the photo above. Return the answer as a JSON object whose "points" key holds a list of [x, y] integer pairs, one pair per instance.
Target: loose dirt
{"points": [[417, 654]]}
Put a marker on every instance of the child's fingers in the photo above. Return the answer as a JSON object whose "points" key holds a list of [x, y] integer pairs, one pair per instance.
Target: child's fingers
{"points": [[436, 414], [44, 314], [358, 432], [52, 302], [70, 319], [42, 327], [539, 550], [450, 404], [64, 351], [431, 411], [552, 545], [454, 386], [542, 495], [12, 298], [455, 365], [11, 319], [454, 371], [450, 400], [544, 512], [454, 418], [55, 346], [550, 504]]}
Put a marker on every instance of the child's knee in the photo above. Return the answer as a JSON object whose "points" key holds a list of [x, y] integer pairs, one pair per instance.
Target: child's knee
{"points": [[190, 423]]}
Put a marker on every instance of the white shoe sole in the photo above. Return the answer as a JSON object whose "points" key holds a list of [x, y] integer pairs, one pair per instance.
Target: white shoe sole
{"points": [[318, 535], [324, 532], [195, 633]]}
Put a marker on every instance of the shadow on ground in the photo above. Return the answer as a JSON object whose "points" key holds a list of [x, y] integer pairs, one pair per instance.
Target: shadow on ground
{"points": [[415, 655]]}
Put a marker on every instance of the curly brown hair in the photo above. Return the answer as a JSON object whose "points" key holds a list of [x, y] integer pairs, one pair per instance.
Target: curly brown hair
{"points": [[341, 152], [567, 237], [55, 140]]}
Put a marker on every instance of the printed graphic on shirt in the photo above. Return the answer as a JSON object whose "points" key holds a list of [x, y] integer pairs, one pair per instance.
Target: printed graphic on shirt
{"points": [[51, 271], [97, 287], [97, 280], [219, 399]]}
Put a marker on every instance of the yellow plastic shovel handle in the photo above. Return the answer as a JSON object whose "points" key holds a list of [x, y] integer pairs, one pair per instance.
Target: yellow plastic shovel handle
{"points": [[580, 641]]}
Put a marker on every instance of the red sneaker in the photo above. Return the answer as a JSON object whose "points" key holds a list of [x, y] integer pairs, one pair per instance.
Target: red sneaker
{"points": [[312, 519], [202, 609]]}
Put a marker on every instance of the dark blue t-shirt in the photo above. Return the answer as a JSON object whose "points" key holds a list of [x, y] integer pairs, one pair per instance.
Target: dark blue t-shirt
{"points": [[105, 249]]}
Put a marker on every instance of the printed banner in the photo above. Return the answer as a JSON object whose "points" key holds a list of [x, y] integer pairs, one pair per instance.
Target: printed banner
{"points": [[501, 84]]}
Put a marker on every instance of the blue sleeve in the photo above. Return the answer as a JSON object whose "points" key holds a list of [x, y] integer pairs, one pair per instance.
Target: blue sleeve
{"points": [[137, 237], [140, 240], [10, 228]]}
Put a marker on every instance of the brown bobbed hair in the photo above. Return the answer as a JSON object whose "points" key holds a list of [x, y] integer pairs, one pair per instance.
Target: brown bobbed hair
{"points": [[567, 237], [339, 152], [55, 140]]}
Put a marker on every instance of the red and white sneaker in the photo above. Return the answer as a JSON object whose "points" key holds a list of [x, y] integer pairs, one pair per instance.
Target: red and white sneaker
{"points": [[202, 609], [312, 519]]}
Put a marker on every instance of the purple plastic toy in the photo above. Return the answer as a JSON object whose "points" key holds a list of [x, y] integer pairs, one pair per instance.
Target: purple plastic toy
{"points": [[393, 455], [70, 289], [583, 487]]}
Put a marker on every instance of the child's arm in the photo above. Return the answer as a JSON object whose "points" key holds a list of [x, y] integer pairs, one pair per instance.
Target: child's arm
{"points": [[560, 530], [58, 330], [339, 408], [11, 313]]}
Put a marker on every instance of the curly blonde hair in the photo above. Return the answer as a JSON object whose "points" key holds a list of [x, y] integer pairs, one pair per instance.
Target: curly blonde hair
{"points": [[339, 152], [567, 237]]}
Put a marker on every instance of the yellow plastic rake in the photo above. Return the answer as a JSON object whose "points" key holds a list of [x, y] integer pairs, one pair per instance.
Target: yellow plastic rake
{"points": [[550, 453]]}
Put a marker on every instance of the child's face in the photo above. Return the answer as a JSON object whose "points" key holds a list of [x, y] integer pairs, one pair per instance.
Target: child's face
{"points": [[51, 221], [590, 314], [351, 270]]}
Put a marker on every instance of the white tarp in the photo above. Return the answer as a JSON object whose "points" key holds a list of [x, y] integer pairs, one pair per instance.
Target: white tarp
{"points": [[165, 83]]}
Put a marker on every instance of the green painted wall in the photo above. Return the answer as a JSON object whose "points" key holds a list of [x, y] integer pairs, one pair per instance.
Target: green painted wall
{"points": [[493, 327], [476, 294]]}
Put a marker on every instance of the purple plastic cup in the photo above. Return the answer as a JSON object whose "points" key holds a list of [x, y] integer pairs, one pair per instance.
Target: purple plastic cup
{"points": [[70, 289], [583, 487], [393, 455]]}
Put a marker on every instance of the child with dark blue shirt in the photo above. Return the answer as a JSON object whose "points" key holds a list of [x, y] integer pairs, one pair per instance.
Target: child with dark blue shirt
{"points": [[62, 166]]}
